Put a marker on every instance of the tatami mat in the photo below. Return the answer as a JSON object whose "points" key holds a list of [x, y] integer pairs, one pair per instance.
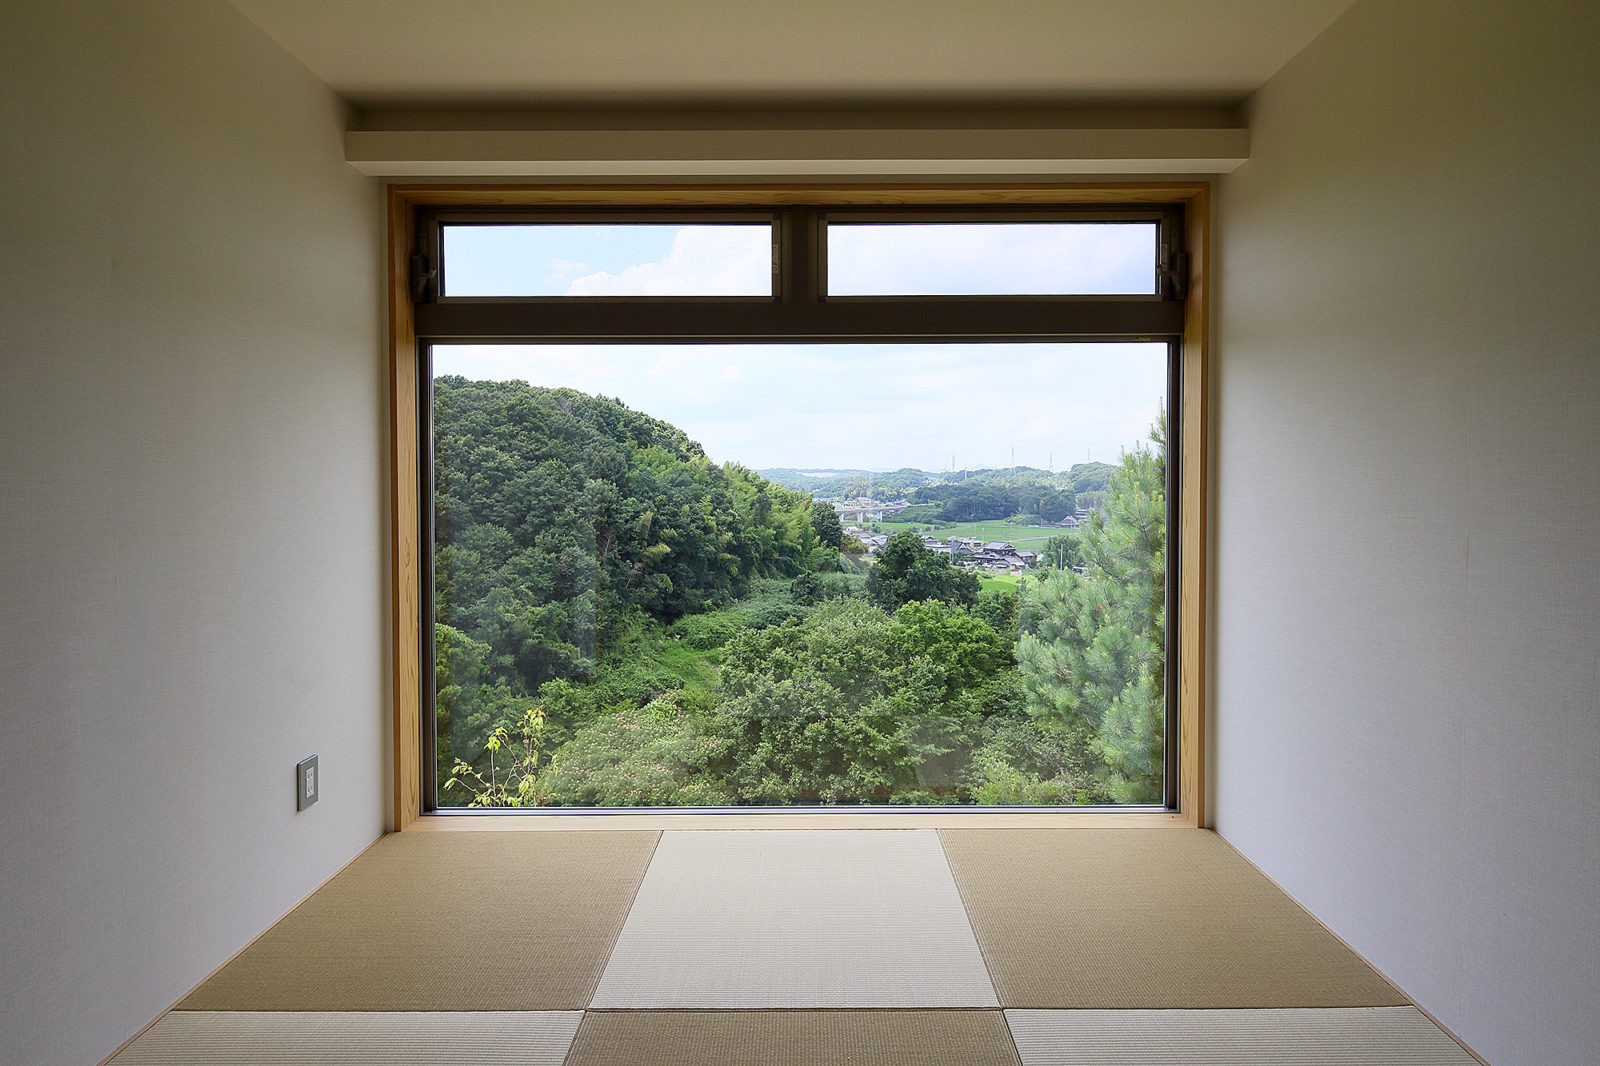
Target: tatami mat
{"points": [[292, 1038], [446, 921], [1106, 918], [794, 1038], [796, 919], [1345, 1036], [778, 947]]}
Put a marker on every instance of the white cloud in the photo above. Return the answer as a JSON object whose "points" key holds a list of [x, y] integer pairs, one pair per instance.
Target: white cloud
{"points": [[568, 268], [704, 261]]}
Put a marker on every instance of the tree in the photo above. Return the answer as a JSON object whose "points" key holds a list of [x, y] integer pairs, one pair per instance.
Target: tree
{"points": [[806, 589], [906, 571], [1092, 648], [1062, 552], [998, 607], [825, 520], [807, 710], [850, 705], [459, 671], [965, 650]]}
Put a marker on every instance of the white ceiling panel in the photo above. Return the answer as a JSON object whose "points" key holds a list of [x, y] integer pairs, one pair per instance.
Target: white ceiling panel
{"points": [[676, 53]]}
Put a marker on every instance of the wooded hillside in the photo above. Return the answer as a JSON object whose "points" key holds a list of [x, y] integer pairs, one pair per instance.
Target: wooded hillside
{"points": [[621, 622]]}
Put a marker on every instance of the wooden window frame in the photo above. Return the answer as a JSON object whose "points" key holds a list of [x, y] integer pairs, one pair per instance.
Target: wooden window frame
{"points": [[405, 490]]}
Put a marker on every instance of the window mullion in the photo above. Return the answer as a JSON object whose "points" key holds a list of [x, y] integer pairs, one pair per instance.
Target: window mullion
{"points": [[800, 250]]}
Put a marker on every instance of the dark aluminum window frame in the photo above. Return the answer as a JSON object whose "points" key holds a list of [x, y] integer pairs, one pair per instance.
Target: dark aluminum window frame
{"points": [[799, 311]]}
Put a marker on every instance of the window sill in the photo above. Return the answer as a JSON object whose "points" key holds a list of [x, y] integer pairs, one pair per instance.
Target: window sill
{"points": [[774, 818]]}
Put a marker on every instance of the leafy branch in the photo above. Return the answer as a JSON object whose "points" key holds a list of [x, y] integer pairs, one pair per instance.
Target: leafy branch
{"points": [[514, 771]]}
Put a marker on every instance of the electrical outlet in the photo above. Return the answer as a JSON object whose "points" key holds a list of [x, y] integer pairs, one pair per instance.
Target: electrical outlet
{"points": [[306, 783]]}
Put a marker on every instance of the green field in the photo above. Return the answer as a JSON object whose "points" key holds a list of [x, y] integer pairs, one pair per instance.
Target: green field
{"points": [[999, 581], [1030, 537]]}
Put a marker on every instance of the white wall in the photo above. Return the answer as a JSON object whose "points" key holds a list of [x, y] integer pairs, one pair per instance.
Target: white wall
{"points": [[1408, 526], [191, 506]]}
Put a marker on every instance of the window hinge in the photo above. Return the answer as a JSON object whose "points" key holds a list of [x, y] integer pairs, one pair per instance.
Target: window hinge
{"points": [[422, 274], [1174, 275]]}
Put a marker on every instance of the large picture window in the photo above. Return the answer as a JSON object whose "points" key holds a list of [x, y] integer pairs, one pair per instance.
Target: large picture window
{"points": [[810, 508]]}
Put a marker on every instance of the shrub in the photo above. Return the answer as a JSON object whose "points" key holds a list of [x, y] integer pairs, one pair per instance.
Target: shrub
{"points": [[651, 756]]}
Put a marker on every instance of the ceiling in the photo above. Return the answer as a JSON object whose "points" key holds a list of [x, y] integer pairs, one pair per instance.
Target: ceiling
{"points": [[482, 54]]}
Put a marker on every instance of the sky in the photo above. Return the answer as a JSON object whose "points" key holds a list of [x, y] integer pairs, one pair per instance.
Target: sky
{"points": [[736, 259], [836, 406], [608, 260]]}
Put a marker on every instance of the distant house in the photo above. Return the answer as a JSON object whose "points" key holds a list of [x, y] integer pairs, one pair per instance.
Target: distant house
{"points": [[1068, 522], [962, 546], [999, 561], [999, 546]]}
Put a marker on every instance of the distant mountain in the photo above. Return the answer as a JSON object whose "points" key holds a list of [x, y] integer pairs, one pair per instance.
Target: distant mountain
{"points": [[846, 484], [962, 495]]}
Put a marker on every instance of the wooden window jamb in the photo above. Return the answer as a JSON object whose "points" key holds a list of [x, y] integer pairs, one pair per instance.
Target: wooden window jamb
{"points": [[800, 240]]}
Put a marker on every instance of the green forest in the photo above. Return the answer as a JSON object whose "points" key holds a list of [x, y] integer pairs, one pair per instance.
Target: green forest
{"points": [[619, 621]]}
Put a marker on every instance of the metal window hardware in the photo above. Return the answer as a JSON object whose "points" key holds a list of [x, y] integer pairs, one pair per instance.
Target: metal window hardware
{"points": [[423, 272], [1173, 274]]}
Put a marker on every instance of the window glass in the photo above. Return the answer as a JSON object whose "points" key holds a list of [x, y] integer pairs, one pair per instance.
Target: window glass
{"points": [[624, 259], [991, 258], [797, 575]]}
